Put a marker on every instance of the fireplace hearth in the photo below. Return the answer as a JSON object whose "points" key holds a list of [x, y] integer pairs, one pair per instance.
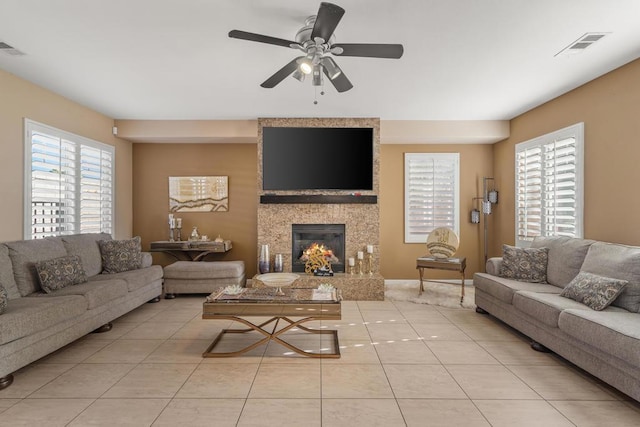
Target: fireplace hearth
{"points": [[327, 237]]}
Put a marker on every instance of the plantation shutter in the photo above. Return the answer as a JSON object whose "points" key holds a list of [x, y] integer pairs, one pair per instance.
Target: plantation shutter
{"points": [[431, 194], [96, 190], [549, 185], [53, 183], [69, 183]]}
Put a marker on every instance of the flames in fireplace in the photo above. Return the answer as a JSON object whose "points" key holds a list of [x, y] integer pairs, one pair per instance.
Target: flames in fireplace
{"points": [[326, 252]]}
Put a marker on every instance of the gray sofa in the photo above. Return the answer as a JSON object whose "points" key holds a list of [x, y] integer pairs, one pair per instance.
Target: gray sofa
{"points": [[36, 323], [605, 343]]}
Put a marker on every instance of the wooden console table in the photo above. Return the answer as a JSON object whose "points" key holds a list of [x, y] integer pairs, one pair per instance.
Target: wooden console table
{"points": [[451, 264], [190, 250]]}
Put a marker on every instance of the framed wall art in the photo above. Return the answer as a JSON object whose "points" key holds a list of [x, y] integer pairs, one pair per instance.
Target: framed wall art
{"points": [[198, 193]]}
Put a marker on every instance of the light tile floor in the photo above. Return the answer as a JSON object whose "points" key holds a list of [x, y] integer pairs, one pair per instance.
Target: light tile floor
{"points": [[402, 364]]}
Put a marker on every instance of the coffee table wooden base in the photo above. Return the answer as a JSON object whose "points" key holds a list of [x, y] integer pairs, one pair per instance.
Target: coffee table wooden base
{"points": [[273, 335]]}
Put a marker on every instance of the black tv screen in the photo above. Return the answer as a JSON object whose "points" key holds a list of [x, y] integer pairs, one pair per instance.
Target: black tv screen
{"points": [[317, 158]]}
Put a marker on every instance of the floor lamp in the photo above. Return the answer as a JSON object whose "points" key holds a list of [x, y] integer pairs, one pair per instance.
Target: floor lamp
{"points": [[490, 197]]}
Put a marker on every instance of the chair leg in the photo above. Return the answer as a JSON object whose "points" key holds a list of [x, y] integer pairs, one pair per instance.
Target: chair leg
{"points": [[156, 299], [169, 296], [539, 347], [481, 310]]}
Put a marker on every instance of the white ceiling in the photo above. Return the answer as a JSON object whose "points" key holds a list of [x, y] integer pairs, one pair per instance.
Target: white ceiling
{"points": [[172, 59]]}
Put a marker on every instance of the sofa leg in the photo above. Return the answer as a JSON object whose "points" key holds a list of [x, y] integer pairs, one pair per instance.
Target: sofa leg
{"points": [[6, 381], [156, 299], [169, 296], [539, 347], [104, 328], [481, 310]]}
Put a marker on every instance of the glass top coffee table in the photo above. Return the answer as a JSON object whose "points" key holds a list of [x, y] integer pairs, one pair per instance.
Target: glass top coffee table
{"points": [[303, 304]]}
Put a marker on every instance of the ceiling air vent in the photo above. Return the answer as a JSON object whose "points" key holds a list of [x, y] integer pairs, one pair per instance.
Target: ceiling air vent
{"points": [[581, 44], [10, 50]]}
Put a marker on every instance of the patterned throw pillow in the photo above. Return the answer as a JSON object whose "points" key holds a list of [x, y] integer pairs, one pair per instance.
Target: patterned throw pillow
{"points": [[58, 273], [524, 264], [4, 299], [595, 291], [120, 255]]}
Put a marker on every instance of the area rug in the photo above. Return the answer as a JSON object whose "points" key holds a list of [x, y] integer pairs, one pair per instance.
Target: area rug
{"points": [[440, 294]]}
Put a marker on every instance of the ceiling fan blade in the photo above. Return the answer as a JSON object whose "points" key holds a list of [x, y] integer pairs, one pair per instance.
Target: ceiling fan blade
{"points": [[243, 35], [340, 82], [329, 15], [392, 51], [281, 74]]}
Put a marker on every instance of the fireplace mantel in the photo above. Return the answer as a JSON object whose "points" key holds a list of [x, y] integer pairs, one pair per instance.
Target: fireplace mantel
{"points": [[317, 199]]}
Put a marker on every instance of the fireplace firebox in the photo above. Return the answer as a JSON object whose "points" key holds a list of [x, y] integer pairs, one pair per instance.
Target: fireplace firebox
{"points": [[328, 237]]}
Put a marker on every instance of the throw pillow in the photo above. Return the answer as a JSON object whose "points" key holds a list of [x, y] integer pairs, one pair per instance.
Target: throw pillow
{"points": [[120, 255], [524, 264], [4, 299], [595, 291], [61, 272]]}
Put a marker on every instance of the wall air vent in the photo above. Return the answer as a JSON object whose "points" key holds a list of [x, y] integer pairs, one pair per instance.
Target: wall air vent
{"points": [[581, 44], [10, 50]]}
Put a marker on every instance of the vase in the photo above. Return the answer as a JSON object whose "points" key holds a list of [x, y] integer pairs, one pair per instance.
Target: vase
{"points": [[278, 263], [263, 261]]}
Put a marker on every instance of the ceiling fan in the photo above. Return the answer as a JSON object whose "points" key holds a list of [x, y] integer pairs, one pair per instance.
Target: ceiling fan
{"points": [[317, 40]]}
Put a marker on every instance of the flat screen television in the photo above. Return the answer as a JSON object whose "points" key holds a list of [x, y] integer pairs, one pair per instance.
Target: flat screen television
{"points": [[317, 158]]}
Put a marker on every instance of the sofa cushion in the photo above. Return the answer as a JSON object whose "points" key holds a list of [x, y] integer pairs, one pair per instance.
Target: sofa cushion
{"points": [[120, 255], [134, 279], [614, 329], [595, 291], [58, 273], [566, 255], [28, 315], [527, 264], [544, 307], [4, 299], [96, 293], [6, 273], [505, 289], [25, 253], [86, 247], [619, 262]]}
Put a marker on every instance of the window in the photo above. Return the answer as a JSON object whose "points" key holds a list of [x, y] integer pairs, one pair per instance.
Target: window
{"points": [[68, 183], [549, 185], [431, 194]]}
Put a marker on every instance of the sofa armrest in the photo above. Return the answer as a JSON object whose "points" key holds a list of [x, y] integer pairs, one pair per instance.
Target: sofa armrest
{"points": [[493, 266], [147, 260]]}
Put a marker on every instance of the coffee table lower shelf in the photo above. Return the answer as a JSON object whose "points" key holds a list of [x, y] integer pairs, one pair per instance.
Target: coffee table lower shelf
{"points": [[273, 335]]}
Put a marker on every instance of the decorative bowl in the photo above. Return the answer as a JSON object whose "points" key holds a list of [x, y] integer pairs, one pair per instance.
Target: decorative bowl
{"points": [[442, 242], [325, 287], [277, 280], [233, 290]]}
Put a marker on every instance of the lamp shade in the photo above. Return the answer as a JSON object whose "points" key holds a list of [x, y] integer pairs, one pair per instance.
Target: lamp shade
{"points": [[486, 207], [475, 216]]}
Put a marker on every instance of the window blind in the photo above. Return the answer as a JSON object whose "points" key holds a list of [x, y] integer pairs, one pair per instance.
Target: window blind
{"points": [[549, 185], [69, 183], [431, 194]]}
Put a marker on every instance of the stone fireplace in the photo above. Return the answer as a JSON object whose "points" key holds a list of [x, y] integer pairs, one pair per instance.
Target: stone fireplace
{"points": [[279, 211], [327, 237]]}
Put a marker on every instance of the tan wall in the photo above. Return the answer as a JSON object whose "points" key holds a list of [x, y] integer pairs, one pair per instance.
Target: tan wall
{"points": [[608, 106], [20, 99], [153, 164], [398, 259]]}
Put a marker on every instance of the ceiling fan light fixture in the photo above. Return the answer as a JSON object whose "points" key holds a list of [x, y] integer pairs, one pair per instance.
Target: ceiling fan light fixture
{"points": [[331, 68], [299, 75], [306, 66], [317, 75]]}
